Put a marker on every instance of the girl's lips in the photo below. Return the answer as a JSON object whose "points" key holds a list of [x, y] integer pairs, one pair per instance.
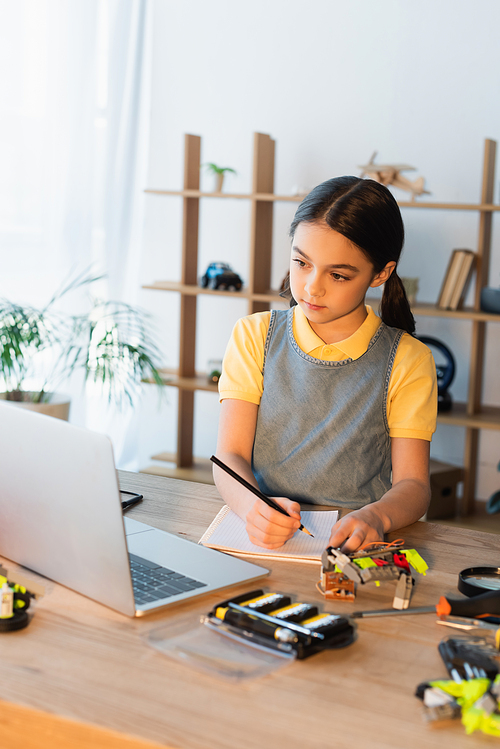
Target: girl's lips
{"points": [[313, 306]]}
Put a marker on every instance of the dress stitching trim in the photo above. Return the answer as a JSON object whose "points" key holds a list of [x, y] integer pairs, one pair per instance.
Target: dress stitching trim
{"points": [[388, 373], [321, 362], [270, 330]]}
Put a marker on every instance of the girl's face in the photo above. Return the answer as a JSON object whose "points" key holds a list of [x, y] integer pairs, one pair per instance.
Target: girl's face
{"points": [[329, 278]]}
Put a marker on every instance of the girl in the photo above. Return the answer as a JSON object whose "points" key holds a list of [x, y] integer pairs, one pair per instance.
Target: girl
{"points": [[325, 403]]}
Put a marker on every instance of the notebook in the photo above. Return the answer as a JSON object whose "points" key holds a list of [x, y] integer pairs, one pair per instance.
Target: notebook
{"points": [[61, 516], [227, 533]]}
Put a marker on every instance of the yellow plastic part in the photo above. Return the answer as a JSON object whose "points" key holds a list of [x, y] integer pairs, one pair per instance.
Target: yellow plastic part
{"points": [[415, 560], [364, 562], [466, 694], [477, 720]]}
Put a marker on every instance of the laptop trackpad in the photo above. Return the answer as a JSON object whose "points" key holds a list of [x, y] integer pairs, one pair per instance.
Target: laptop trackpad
{"points": [[134, 526], [187, 557]]}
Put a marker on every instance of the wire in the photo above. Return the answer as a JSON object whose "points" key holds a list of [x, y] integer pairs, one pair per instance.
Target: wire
{"points": [[383, 544]]}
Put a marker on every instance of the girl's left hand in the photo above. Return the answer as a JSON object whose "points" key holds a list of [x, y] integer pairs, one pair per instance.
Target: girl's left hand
{"points": [[357, 528]]}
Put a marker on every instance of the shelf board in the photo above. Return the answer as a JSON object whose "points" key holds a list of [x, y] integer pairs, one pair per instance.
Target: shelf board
{"points": [[431, 310], [171, 378], [200, 471], [270, 197], [192, 290], [419, 308], [437, 466], [467, 313], [487, 418], [268, 296], [487, 207], [258, 196]]}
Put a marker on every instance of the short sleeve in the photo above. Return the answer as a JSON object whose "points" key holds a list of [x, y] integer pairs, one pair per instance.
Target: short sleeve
{"points": [[242, 376], [412, 395]]}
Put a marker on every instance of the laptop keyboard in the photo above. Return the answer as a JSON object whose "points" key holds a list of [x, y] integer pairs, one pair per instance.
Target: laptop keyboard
{"points": [[151, 581]]}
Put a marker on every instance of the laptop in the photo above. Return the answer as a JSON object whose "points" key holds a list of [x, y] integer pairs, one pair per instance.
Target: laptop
{"points": [[61, 516]]}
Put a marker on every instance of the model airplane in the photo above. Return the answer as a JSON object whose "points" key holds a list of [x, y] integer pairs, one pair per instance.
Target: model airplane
{"points": [[389, 174]]}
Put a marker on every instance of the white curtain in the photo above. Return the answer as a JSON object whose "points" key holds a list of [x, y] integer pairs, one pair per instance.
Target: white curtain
{"points": [[74, 107]]}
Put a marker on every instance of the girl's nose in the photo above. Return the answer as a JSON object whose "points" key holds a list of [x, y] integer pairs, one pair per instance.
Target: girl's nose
{"points": [[314, 287]]}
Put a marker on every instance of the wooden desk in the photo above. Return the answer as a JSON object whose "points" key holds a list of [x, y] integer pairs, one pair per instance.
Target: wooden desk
{"points": [[82, 675]]}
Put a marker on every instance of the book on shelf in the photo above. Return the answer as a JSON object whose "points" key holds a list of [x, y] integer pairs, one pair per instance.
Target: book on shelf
{"points": [[463, 281], [456, 279]]}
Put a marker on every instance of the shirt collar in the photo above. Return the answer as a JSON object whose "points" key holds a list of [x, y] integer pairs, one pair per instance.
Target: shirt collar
{"points": [[352, 347]]}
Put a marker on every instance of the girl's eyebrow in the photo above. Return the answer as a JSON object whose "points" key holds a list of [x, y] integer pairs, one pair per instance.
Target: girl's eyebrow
{"points": [[344, 266]]}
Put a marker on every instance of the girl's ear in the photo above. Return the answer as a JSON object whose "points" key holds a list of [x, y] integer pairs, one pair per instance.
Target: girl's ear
{"points": [[384, 274]]}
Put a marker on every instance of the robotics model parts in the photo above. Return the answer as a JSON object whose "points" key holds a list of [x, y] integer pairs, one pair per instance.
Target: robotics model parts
{"points": [[378, 562], [16, 593]]}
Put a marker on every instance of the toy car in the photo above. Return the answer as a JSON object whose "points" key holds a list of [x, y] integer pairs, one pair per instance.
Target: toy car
{"points": [[220, 276]]}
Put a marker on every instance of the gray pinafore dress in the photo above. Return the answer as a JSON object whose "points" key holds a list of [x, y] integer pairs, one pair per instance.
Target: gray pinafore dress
{"points": [[322, 435]]}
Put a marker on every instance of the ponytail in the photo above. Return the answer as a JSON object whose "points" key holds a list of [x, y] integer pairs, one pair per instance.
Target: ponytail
{"points": [[394, 308]]}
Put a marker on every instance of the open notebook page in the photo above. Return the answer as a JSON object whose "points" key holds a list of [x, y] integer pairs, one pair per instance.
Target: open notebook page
{"points": [[227, 533]]}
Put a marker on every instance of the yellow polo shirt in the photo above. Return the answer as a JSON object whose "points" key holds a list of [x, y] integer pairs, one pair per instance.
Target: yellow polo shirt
{"points": [[412, 394]]}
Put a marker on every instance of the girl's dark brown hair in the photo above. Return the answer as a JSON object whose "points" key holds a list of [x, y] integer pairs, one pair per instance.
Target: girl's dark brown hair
{"points": [[366, 213]]}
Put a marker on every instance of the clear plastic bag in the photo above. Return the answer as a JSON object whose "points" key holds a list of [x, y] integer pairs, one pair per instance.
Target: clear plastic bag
{"points": [[216, 650]]}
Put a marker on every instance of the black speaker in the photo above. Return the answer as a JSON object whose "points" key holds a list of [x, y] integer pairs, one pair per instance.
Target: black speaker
{"points": [[445, 371]]}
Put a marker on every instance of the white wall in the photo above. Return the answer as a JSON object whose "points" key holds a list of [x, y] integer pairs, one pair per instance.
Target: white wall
{"points": [[331, 81]]}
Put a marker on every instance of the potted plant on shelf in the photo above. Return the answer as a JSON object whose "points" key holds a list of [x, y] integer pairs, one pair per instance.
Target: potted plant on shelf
{"points": [[43, 347], [219, 172]]}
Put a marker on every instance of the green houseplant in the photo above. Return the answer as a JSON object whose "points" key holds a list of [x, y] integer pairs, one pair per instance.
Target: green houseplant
{"points": [[219, 172], [110, 344]]}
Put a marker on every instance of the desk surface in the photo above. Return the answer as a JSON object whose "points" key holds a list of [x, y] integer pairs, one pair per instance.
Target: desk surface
{"points": [[82, 675]]}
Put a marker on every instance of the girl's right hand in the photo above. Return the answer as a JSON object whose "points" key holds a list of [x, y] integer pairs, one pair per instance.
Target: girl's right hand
{"points": [[269, 528]]}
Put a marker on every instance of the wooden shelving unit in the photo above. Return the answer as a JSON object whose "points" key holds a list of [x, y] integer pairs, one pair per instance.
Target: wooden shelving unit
{"points": [[478, 416], [472, 415], [257, 291]]}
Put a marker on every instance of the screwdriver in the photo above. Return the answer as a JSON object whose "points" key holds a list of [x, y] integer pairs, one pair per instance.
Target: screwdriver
{"points": [[478, 607]]}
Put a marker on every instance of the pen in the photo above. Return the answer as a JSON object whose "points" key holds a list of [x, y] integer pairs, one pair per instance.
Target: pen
{"points": [[268, 501], [128, 503]]}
